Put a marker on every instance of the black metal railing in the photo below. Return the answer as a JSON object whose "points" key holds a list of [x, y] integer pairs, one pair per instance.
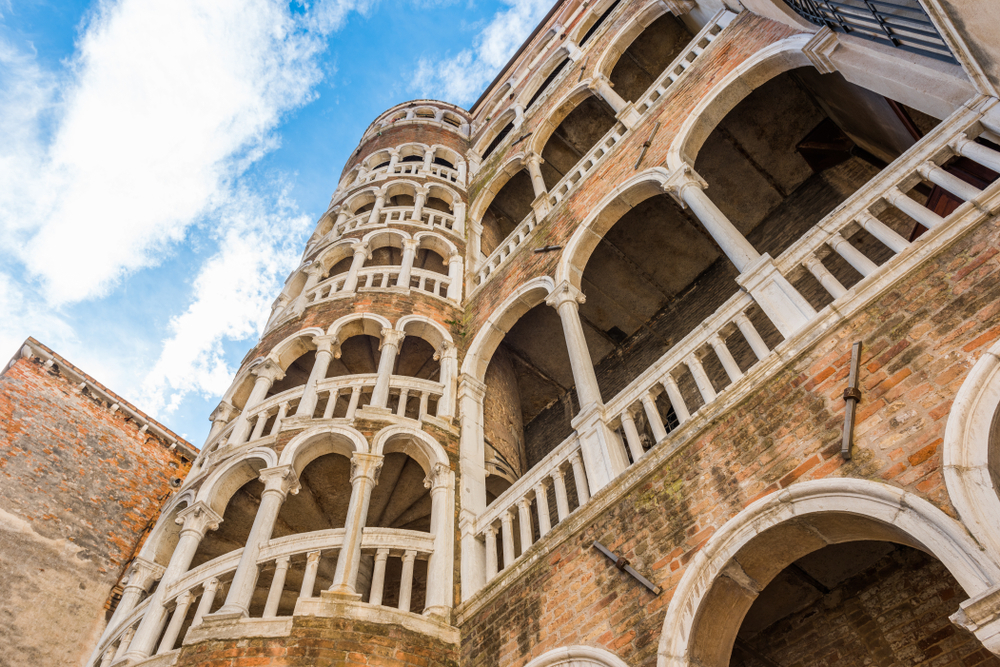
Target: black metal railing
{"points": [[902, 23]]}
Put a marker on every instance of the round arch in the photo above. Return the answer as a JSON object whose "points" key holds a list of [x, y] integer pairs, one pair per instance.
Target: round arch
{"points": [[971, 426], [294, 346], [577, 656], [490, 190], [491, 333], [563, 108], [626, 35], [383, 237], [309, 445], [494, 129], [162, 540], [437, 243], [356, 324], [557, 58], [443, 193], [416, 444], [226, 480], [724, 577], [590, 19], [424, 327], [336, 252], [616, 204]]}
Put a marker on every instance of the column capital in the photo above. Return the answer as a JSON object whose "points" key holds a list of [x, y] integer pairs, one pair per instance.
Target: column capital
{"points": [[447, 351], [422, 189], [411, 244], [563, 293], [199, 518], [326, 343], [282, 479], [819, 49], [491, 528], [210, 585], [360, 248], [313, 556], [268, 369], [680, 179], [981, 616], [456, 258], [367, 466], [440, 477], [314, 269], [223, 412], [143, 573], [394, 152], [535, 159], [470, 387], [391, 337]]}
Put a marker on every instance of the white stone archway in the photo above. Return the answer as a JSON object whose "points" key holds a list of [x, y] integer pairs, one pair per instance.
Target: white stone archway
{"points": [[577, 656]]}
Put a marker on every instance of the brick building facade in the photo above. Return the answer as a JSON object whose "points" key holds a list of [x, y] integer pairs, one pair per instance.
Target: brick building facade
{"points": [[711, 287]]}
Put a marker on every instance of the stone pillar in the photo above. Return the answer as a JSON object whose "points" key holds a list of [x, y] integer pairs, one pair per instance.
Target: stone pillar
{"points": [[267, 373], [393, 160], [624, 110], [406, 580], [440, 567], [376, 212], [176, 620], [208, 591], [391, 341], [518, 115], [566, 299], [278, 482], [277, 587], [473, 487], [455, 274], [428, 159], [542, 503], [378, 577], [463, 170], [449, 375], [784, 306], [418, 204], [364, 476], [341, 219], [409, 252], [458, 210], [195, 520], [490, 536], [324, 355], [475, 247], [220, 417], [358, 261], [534, 164], [140, 577], [313, 274]]}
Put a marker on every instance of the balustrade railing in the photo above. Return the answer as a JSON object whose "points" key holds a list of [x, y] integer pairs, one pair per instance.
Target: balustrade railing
{"points": [[424, 280], [430, 218], [505, 249], [200, 591], [409, 169]]}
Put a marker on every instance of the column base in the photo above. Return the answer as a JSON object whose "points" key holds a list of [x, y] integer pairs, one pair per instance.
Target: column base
{"points": [[440, 613], [225, 616], [981, 616], [603, 456], [373, 412], [628, 116], [340, 594], [541, 206], [784, 306]]}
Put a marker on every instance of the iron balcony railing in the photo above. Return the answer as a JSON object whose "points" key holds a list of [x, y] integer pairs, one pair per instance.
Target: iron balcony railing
{"points": [[901, 23]]}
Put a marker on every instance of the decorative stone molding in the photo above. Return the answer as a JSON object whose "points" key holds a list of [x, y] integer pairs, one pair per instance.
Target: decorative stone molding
{"points": [[680, 179], [820, 48], [981, 616], [199, 518]]}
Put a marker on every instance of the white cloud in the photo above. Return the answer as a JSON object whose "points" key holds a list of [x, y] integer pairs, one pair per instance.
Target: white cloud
{"points": [[463, 77], [233, 292]]}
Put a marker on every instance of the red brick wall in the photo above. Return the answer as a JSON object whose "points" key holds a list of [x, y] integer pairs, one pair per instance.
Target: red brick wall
{"points": [[921, 338], [79, 485]]}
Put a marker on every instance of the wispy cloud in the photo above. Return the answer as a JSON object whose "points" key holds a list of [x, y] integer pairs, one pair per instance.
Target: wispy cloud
{"points": [[462, 78], [143, 139]]}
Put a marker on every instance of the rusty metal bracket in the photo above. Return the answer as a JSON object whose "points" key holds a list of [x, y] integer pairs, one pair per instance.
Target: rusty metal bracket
{"points": [[852, 395], [646, 144], [623, 565]]}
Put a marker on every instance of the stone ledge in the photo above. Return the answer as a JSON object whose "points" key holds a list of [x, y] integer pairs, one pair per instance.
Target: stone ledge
{"points": [[163, 660], [228, 628], [327, 606]]}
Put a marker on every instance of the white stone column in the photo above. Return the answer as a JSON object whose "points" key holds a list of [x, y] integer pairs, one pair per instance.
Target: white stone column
{"points": [[753, 338], [428, 159], [278, 482], [825, 278], [364, 476], [376, 211], [472, 463], [524, 522], [474, 249], [580, 479], [566, 299], [341, 219], [267, 373], [391, 341], [733, 369], [448, 357], [324, 355], [632, 435], [357, 262], [208, 591], [393, 161], [857, 259], [277, 587], [195, 520], [518, 115], [141, 576], [176, 620], [562, 498], [409, 252], [455, 274], [463, 172], [313, 274], [440, 567], [534, 164], [784, 306], [624, 111], [418, 204], [507, 532], [458, 210], [378, 577], [653, 417], [309, 576], [406, 580], [676, 399]]}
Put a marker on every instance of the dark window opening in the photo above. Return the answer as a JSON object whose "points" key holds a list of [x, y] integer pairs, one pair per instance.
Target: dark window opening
{"points": [[545, 84], [499, 138], [597, 24]]}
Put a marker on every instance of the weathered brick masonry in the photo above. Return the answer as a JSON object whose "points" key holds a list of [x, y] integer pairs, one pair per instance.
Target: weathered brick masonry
{"points": [[920, 340]]}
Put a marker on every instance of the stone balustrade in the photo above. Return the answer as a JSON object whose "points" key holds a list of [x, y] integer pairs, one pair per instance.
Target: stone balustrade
{"points": [[410, 169], [382, 277], [429, 218], [505, 249]]}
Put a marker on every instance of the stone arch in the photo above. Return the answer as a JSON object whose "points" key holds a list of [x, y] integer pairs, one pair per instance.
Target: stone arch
{"points": [[294, 346], [443, 193], [490, 190], [437, 243], [970, 472], [376, 159], [416, 444], [335, 253], [412, 149], [359, 200], [399, 187], [242, 385], [368, 324], [563, 108], [577, 656], [491, 333], [590, 19], [383, 237], [497, 100], [315, 442], [159, 547], [722, 580], [536, 84], [604, 216], [446, 153], [427, 329], [226, 480], [493, 130], [625, 36]]}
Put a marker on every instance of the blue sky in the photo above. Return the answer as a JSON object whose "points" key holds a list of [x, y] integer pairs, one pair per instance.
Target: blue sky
{"points": [[163, 161]]}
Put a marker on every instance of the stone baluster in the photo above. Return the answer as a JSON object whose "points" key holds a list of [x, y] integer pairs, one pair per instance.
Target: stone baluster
{"points": [[542, 504], [507, 532], [490, 536], [309, 577], [331, 404], [882, 232], [624, 110], [676, 399], [580, 478], [267, 373], [524, 521], [324, 355], [653, 417], [854, 257], [632, 435], [141, 576], [910, 207], [208, 591], [783, 304], [825, 278], [733, 369], [705, 388], [424, 398], [169, 639], [195, 520], [948, 181], [753, 338], [352, 405], [406, 580], [378, 577], [282, 413], [404, 396], [258, 428], [977, 152], [277, 587], [125, 643], [278, 481], [364, 476], [562, 498], [391, 342]]}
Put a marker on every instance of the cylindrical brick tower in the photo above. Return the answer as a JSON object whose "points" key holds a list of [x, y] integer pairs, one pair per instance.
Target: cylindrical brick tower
{"points": [[321, 513]]}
